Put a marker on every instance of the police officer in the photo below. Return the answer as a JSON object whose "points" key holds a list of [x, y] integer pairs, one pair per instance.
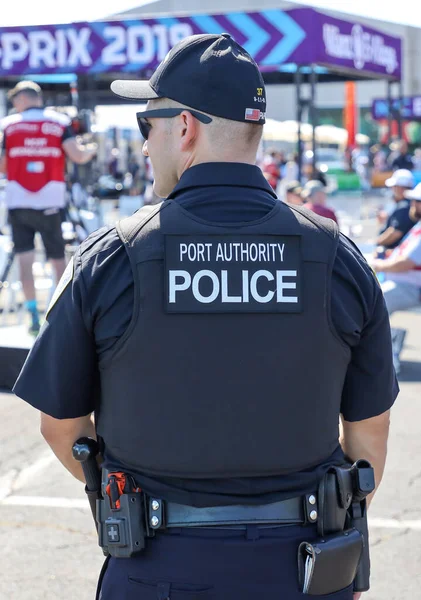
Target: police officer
{"points": [[217, 338]]}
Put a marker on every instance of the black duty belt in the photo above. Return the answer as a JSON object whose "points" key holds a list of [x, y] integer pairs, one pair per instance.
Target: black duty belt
{"points": [[302, 509]]}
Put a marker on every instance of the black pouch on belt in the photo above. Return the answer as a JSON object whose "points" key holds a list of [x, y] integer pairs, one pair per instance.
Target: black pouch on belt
{"points": [[329, 564], [334, 497]]}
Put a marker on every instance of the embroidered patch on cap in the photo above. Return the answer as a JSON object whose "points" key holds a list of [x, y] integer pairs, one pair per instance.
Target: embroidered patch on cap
{"points": [[252, 114]]}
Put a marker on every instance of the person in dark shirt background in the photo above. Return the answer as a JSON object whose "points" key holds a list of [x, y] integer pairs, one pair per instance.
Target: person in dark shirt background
{"points": [[398, 222], [401, 159]]}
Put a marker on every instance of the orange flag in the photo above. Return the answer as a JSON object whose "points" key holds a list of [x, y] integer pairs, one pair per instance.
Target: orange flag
{"points": [[350, 112]]}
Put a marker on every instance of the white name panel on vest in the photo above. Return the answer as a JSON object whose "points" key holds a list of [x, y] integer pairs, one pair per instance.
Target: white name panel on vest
{"points": [[232, 273]]}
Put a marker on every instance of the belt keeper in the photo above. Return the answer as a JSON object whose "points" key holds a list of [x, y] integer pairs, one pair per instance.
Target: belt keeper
{"points": [[311, 512]]}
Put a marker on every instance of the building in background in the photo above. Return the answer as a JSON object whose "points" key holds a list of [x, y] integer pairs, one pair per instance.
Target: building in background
{"points": [[330, 96], [282, 99]]}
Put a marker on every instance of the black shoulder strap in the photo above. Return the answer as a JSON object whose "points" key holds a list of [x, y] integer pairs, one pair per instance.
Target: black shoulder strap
{"points": [[328, 225], [128, 228]]}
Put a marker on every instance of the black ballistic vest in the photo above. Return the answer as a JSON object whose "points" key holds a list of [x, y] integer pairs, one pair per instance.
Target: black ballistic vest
{"points": [[230, 366]]}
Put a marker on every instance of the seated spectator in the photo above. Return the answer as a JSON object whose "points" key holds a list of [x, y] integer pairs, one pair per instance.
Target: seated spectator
{"points": [[402, 270], [402, 285], [292, 193], [398, 222], [401, 159], [315, 196]]}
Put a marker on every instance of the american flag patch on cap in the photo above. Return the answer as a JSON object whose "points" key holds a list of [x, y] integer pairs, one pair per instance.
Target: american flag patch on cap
{"points": [[252, 114]]}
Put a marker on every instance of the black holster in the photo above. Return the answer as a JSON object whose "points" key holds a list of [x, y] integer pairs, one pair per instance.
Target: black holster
{"points": [[121, 531], [93, 496], [342, 505], [363, 484], [359, 522]]}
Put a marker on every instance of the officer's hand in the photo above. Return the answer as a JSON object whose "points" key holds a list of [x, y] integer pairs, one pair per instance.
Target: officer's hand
{"points": [[357, 596]]}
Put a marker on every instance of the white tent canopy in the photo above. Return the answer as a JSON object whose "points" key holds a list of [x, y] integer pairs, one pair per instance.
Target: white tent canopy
{"points": [[287, 131], [124, 117], [120, 116]]}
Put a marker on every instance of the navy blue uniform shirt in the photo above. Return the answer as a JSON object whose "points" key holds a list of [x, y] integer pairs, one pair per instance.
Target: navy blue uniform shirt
{"points": [[400, 220], [61, 374]]}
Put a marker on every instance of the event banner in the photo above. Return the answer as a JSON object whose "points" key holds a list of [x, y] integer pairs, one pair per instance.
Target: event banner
{"points": [[410, 108], [272, 37]]}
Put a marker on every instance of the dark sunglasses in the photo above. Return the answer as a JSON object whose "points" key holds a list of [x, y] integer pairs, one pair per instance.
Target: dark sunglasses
{"points": [[165, 113]]}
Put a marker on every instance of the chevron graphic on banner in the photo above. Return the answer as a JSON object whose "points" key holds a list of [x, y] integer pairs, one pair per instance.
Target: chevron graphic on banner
{"points": [[207, 24], [292, 33], [257, 37]]}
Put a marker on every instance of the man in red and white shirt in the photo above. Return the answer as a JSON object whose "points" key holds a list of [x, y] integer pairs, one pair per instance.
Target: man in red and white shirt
{"points": [[36, 142]]}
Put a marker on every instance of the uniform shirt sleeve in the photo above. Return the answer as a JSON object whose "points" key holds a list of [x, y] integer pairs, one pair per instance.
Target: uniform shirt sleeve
{"points": [[401, 220], [61, 375], [360, 317]]}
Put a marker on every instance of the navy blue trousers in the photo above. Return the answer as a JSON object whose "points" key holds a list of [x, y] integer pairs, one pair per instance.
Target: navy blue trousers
{"points": [[199, 564]]}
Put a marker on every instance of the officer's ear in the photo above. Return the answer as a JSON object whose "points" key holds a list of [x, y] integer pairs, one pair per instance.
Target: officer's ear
{"points": [[188, 128]]}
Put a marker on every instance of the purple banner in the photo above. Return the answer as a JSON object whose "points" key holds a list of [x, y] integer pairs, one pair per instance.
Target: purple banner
{"points": [[273, 37], [409, 107], [357, 47]]}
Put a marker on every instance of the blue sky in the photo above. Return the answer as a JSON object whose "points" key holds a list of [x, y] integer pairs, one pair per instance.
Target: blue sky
{"points": [[397, 11], [65, 11]]}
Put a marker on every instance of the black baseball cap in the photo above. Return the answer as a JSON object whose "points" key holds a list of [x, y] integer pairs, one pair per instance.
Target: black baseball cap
{"points": [[208, 72]]}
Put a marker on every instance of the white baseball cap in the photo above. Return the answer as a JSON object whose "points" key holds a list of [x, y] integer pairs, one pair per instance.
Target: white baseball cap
{"points": [[414, 194], [312, 187], [401, 177]]}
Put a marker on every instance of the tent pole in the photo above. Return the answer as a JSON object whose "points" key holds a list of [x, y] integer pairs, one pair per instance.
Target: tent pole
{"points": [[389, 112], [298, 79], [400, 120], [313, 114], [3, 87]]}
